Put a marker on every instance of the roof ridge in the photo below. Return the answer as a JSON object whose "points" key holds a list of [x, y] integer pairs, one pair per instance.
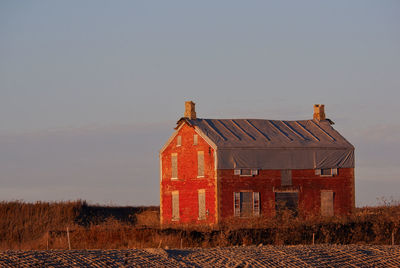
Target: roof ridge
{"points": [[263, 119]]}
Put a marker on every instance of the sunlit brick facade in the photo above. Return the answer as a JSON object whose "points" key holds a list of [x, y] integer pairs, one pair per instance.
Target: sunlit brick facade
{"points": [[196, 187]]}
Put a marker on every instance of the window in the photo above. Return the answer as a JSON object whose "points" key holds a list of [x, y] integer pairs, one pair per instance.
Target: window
{"points": [[200, 164], [286, 177], [195, 139], [246, 172], [327, 199], [178, 141], [174, 166], [236, 202], [256, 203], [327, 172], [246, 204], [175, 205], [286, 201], [202, 204]]}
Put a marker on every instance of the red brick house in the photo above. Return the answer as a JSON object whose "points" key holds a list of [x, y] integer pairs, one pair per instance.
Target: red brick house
{"points": [[215, 169]]}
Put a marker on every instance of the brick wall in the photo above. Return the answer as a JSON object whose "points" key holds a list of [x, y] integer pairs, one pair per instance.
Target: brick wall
{"points": [[187, 183], [308, 184]]}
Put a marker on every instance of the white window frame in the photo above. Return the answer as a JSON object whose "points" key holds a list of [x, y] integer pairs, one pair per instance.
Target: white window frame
{"points": [[256, 203], [236, 204], [239, 172], [334, 172]]}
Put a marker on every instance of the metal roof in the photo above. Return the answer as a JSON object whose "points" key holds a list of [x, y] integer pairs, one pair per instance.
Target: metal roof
{"points": [[260, 133], [275, 144]]}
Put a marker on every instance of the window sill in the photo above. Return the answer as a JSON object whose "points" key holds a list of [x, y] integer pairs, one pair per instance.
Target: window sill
{"points": [[248, 217], [174, 179], [199, 177]]}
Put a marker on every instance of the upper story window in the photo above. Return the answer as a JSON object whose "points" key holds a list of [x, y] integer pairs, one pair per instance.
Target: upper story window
{"points": [[246, 172], [174, 166], [286, 177], [200, 164], [327, 172], [195, 139], [179, 141]]}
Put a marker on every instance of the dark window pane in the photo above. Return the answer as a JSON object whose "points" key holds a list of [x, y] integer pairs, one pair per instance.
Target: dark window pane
{"points": [[246, 204], [246, 172], [326, 171]]}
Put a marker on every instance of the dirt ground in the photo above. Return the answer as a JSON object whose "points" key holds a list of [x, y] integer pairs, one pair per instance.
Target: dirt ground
{"points": [[250, 256]]}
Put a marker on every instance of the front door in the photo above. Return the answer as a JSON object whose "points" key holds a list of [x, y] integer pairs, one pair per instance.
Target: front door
{"points": [[246, 204]]}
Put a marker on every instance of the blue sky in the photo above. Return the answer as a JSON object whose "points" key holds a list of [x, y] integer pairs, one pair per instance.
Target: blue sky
{"points": [[91, 90]]}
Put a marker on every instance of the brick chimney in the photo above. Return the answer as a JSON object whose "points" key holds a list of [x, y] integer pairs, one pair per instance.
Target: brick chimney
{"points": [[319, 112], [190, 111]]}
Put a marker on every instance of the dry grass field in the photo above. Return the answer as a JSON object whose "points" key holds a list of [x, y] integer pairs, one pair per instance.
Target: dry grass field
{"points": [[250, 256], [34, 235], [43, 226]]}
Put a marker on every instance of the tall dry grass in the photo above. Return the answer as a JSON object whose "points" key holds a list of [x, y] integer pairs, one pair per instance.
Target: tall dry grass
{"points": [[22, 222], [43, 226]]}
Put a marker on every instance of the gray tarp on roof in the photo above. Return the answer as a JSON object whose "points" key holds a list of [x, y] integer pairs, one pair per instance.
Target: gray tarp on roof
{"points": [[274, 144]]}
